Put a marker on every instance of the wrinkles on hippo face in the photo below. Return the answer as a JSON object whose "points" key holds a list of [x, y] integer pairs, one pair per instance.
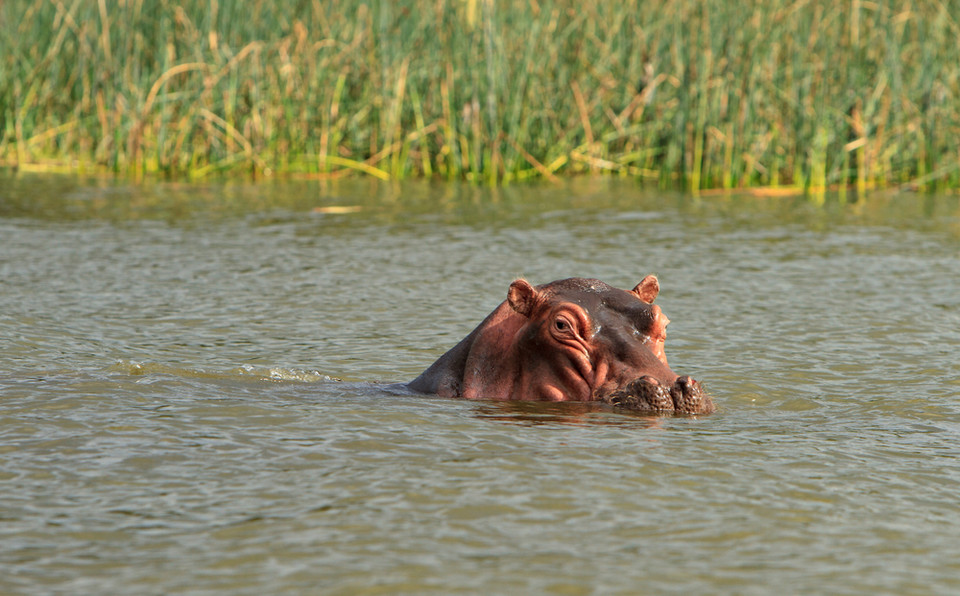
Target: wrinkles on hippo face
{"points": [[570, 328]]}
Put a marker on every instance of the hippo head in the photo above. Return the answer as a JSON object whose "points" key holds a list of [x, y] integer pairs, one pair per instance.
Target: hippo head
{"points": [[585, 340], [569, 340]]}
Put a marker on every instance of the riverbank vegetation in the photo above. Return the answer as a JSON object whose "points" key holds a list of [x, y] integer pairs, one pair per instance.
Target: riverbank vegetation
{"points": [[712, 94]]}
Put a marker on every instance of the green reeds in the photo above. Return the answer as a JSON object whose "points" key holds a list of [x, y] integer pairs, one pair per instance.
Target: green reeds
{"points": [[701, 94]]}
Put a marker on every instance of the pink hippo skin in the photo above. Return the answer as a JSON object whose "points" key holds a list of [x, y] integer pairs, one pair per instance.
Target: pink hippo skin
{"points": [[569, 340]]}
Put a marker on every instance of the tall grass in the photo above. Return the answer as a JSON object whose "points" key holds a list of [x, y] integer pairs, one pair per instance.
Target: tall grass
{"points": [[707, 94]]}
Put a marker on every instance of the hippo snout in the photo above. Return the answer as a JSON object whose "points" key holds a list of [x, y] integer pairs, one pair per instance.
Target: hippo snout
{"points": [[647, 394]]}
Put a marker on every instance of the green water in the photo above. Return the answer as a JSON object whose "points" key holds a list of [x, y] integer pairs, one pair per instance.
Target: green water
{"points": [[192, 393]]}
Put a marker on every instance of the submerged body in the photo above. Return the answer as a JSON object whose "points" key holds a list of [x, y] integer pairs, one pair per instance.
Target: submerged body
{"points": [[570, 340]]}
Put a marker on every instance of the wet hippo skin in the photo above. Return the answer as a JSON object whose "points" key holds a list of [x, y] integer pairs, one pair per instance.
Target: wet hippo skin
{"points": [[569, 340]]}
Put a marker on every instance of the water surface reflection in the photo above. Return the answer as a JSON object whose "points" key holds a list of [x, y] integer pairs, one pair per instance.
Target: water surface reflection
{"points": [[538, 413]]}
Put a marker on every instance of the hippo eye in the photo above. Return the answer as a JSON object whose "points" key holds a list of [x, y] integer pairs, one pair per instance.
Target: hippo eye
{"points": [[565, 325]]}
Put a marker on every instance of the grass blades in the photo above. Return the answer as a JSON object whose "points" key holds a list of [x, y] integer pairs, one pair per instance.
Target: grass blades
{"points": [[704, 95]]}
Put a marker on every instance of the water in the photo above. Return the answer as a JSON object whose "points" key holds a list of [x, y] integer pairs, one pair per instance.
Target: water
{"points": [[192, 393]]}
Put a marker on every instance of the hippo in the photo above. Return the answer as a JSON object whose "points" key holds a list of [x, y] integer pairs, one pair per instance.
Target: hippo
{"points": [[575, 339]]}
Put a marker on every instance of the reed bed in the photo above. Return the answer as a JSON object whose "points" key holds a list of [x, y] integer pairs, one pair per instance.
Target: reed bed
{"points": [[703, 94]]}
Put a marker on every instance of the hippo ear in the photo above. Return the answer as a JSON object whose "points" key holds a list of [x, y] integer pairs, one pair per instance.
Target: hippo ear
{"points": [[523, 297], [647, 289]]}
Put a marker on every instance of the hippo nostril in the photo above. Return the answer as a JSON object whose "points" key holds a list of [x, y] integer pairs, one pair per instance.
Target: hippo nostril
{"points": [[644, 394], [688, 396]]}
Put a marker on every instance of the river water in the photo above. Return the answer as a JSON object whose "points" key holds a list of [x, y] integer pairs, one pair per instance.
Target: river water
{"points": [[193, 398]]}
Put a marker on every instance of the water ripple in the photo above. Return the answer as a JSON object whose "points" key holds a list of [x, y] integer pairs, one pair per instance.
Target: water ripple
{"points": [[173, 419]]}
